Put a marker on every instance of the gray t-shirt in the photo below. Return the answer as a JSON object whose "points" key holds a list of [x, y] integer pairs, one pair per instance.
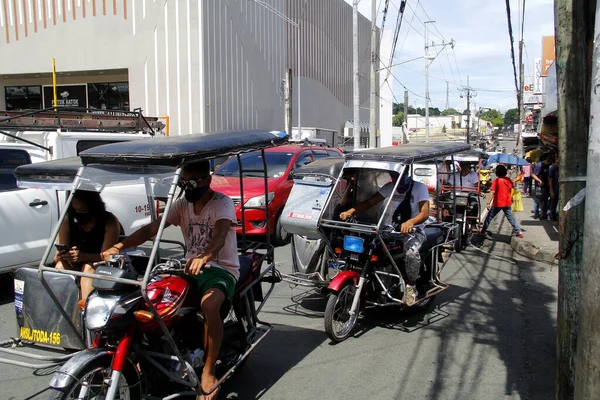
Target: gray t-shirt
{"points": [[419, 194]]}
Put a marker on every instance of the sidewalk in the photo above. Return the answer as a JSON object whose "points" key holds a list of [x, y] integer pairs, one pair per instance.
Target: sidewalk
{"points": [[541, 237]]}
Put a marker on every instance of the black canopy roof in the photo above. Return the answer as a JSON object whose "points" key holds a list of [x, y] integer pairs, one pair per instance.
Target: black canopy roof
{"points": [[326, 166], [411, 152], [62, 170], [180, 150]]}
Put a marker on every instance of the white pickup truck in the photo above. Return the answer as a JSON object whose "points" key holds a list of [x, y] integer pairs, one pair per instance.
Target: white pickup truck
{"points": [[27, 216]]}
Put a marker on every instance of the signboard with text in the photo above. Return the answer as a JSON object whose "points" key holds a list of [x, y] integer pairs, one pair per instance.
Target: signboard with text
{"points": [[537, 76], [548, 54], [67, 96]]}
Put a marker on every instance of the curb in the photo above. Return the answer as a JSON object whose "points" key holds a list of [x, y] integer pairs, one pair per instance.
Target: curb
{"points": [[529, 250]]}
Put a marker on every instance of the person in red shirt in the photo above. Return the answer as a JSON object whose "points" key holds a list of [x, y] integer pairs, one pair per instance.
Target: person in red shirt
{"points": [[501, 200]]}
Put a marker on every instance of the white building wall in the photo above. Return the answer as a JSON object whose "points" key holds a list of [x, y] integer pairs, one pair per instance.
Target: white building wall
{"points": [[209, 65]]}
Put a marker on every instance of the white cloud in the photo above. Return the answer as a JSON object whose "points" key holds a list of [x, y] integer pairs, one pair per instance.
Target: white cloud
{"points": [[482, 49]]}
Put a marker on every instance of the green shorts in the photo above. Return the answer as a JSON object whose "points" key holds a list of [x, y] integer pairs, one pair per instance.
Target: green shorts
{"points": [[216, 278]]}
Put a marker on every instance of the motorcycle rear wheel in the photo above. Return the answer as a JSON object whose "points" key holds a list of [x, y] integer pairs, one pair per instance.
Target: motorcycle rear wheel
{"points": [[94, 376], [338, 321]]}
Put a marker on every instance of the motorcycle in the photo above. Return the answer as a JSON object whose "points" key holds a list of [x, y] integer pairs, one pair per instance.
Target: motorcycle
{"points": [[140, 334], [368, 251]]}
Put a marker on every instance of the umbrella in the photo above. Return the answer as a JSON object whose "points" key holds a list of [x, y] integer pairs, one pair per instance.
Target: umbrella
{"points": [[504, 158]]}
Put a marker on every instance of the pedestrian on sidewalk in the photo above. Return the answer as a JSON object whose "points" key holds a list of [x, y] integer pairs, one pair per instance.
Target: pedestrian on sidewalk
{"points": [[501, 200], [553, 181], [527, 177], [542, 187]]}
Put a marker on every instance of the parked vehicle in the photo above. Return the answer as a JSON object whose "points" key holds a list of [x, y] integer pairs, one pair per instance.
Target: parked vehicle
{"points": [[140, 334], [280, 163], [368, 250], [30, 213]]}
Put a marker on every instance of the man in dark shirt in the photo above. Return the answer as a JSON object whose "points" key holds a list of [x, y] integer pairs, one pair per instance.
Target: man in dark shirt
{"points": [[553, 182], [542, 187]]}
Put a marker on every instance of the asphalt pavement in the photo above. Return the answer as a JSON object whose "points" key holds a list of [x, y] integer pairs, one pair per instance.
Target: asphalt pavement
{"points": [[491, 335]]}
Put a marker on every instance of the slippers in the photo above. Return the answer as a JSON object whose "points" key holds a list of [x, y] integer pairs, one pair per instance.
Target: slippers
{"points": [[213, 395]]}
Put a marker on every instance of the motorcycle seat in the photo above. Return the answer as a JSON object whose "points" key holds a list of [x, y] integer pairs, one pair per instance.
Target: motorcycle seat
{"points": [[245, 271], [434, 236]]}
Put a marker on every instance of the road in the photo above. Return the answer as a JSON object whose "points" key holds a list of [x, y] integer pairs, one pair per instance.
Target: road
{"points": [[491, 335]]}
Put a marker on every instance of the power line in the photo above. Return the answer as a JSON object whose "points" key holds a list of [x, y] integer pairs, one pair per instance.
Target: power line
{"points": [[512, 47], [450, 64]]}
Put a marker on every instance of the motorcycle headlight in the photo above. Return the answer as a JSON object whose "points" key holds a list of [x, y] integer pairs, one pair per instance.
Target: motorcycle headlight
{"points": [[259, 201], [98, 310]]}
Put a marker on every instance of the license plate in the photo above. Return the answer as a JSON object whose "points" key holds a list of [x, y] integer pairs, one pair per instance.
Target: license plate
{"points": [[354, 244]]}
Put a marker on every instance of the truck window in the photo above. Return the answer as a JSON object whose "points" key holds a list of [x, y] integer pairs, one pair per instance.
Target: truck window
{"points": [[83, 145], [9, 160]]}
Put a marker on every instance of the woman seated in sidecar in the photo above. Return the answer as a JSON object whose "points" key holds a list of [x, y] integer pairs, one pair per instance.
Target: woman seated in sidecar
{"points": [[88, 231]]}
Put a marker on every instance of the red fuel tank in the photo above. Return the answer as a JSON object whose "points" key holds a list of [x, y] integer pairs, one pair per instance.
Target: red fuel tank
{"points": [[167, 293]]}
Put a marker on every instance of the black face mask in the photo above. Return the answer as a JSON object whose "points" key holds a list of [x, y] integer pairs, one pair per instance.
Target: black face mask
{"points": [[83, 218], [193, 195]]}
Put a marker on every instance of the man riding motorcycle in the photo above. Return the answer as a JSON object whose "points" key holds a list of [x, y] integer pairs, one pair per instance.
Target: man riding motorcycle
{"points": [[207, 220], [411, 214]]}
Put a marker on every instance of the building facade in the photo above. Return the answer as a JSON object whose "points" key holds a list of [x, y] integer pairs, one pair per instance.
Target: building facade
{"points": [[208, 65]]}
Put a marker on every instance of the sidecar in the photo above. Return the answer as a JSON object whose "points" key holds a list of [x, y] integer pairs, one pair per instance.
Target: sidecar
{"points": [[46, 299]]}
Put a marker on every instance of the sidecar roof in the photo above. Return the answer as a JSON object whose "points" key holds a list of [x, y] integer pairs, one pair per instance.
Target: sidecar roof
{"points": [[325, 166], [410, 153], [185, 149], [58, 171]]}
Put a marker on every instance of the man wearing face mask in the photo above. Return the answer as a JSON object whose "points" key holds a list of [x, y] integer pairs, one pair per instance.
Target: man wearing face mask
{"points": [[207, 220], [410, 214]]}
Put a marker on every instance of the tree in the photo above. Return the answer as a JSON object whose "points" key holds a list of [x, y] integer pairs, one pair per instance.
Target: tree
{"points": [[450, 111], [434, 112], [397, 107], [398, 119], [490, 115], [511, 117], [498, 121]]}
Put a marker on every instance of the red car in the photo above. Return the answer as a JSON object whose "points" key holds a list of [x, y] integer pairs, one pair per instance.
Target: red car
{"points": [[281, 161]]}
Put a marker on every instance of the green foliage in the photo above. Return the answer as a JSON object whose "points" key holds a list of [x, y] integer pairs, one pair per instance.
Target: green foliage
{"points": [[498, 121], [511, 117], [450, 111], [398, 119]]}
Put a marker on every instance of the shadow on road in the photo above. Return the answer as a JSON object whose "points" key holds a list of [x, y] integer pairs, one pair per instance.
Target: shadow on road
{"points": [[283, 348], [507, 310]]}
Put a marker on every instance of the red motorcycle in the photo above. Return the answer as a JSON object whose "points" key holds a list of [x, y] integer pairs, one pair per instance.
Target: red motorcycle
{"points": [[128, 343]]}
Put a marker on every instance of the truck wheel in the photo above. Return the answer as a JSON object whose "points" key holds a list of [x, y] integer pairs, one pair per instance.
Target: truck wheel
{"points": [[338, 321]]}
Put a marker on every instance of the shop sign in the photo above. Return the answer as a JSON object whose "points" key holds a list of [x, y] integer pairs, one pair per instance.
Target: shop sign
{"points": [[67, 96]]}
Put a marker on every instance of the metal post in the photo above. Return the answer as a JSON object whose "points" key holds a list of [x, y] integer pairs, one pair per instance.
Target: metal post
{"points": [[288, 102], [355, 81], [447, 90], [374, 59], [520, 99], [406, 107], [574, 36], [468, 112], [54, 83], [298, 70], [587, 360], [426, 85]]}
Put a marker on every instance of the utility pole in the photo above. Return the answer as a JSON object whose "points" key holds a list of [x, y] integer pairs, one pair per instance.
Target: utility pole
{"points": [[587, 361], [468, 112], [374, 87], [405, 125], [574, 42], [520, 98], [355, 81], [287, 97], [426, 83]]}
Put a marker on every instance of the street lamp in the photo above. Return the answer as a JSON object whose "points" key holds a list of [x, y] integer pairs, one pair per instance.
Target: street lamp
{"points": [[297, 26]]}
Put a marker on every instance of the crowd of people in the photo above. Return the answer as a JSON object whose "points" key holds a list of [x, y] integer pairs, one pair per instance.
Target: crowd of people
{"points": [[540, 181]]}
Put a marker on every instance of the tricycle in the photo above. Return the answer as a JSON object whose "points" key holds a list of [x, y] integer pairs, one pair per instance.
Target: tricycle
{"points": [[140, 333], [368, 250]]}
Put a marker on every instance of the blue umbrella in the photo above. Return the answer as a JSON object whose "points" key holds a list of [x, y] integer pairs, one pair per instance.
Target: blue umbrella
{"points": [[508, 159]]}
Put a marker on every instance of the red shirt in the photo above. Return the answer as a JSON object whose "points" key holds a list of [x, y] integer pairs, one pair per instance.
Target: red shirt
{"points": [[502, 192]]}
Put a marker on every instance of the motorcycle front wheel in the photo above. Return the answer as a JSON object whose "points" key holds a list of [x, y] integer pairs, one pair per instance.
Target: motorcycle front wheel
{"points": [[90, 383], [338, 321]]}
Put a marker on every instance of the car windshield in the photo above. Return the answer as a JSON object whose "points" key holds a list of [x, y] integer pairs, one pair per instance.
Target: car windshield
{"points": [[252, 164]]}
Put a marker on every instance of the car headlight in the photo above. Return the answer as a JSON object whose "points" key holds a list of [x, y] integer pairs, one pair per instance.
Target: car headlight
{"points": [[98, 310], [259, 201]]}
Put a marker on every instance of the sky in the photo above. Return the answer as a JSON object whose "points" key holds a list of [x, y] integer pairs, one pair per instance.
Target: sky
{"points": [[481, 52]]}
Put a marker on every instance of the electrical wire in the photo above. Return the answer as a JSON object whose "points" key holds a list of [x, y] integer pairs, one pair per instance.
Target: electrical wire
{"points": [[455, 63], [512, 49]]}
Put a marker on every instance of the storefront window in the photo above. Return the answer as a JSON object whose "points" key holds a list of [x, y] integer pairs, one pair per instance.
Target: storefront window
{"points": [[109, 96], [23, 97]]}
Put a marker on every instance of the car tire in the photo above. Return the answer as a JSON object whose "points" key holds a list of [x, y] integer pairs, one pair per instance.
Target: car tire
{"points": [[281, 237]]}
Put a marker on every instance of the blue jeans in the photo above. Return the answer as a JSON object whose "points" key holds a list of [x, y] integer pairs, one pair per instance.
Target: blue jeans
{"points": [[542, 203], [509, 216]]}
